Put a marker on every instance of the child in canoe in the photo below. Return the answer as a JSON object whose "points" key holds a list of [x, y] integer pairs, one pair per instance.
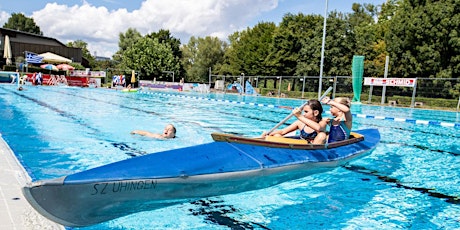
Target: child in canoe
{"points": [[311, 125], [340, 125]]}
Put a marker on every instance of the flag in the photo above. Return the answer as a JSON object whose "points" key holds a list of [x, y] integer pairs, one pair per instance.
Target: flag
{"points": [[33, 58]]}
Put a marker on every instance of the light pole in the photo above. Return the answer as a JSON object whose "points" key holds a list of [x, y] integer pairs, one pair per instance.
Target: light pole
{"points": [[322, 54], [279, 88], [303, 84], [242, 83]]}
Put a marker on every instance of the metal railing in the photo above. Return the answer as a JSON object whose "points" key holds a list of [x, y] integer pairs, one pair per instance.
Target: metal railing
{"points": [[428, 92]]}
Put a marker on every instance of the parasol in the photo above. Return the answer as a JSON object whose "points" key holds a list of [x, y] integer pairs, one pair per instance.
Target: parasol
{"points": [[7, 51], [65, 67], [133, 77], [49, 67]]}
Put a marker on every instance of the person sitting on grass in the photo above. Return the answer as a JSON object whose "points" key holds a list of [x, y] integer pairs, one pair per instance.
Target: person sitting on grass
{"points": [[168, 133]]}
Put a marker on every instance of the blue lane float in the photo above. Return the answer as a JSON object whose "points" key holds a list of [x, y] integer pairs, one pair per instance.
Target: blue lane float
{"points": [[407, 120]]}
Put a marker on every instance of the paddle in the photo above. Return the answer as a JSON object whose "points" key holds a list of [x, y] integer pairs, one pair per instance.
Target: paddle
{"points": [[301, 107]]}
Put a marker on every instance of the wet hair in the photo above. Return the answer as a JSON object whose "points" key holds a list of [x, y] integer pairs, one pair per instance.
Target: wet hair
{"points": [[343, 101], [173, 129], [316, 105]]}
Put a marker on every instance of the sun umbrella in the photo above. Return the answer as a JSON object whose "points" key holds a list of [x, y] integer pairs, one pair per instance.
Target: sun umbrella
{"points": [[65, 67], [7, 51], [133, 77], [49, 67], [49, 57]]}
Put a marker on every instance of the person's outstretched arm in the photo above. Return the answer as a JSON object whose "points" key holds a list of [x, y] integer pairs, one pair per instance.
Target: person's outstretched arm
{"points": [[147, 134]]}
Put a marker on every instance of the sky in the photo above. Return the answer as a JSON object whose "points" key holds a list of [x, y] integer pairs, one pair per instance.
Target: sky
{"points": [[99, 22]]}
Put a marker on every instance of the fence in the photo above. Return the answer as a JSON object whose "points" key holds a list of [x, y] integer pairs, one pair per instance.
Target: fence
{"points": [[429, 93]]}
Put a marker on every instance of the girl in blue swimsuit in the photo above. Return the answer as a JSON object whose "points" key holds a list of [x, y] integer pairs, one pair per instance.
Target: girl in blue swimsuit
{"points": [[342, 121], [311, 125]]}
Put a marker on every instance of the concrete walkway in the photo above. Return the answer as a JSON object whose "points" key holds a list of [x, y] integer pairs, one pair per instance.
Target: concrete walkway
{"points": [[15, 211]]}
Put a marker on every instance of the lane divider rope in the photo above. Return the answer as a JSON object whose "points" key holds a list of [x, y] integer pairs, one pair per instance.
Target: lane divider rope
{"points": [[407, 120]]}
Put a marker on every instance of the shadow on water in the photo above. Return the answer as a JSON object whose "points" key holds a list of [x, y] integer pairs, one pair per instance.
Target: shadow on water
{"points": [[216, 212], [128, 150], [395, 182], [421, 147]]}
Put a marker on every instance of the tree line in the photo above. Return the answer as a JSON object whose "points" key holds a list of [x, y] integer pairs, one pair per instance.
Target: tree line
{"points": [[421, 38]]}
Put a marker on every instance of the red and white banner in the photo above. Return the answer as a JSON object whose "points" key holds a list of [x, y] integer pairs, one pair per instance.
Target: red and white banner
{"points": [[404, 82], [86, 73]]}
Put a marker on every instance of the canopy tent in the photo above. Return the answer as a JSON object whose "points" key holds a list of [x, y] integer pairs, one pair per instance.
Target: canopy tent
{"points": [[54, 58]]}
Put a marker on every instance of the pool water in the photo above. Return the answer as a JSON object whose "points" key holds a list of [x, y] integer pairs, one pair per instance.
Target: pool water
{"points": [[410, 181]]}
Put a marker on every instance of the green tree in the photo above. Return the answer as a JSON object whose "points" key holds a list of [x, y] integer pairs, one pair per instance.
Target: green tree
{"points": [[150, 58], [126, 40], [232, 63], [369, 38], [249, 50], [19, 21], [200, 54], [257, 45], [338, 47], [293, 33], [85, 52], [424, 42], [164, 36], [297, 45]]}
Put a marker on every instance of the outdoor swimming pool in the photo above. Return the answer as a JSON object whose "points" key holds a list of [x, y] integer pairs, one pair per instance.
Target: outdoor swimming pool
{"points": [[412, 179]]}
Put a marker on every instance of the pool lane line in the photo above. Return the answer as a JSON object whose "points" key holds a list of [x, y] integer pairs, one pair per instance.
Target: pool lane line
{"points": [[407, 120], [132, 152], [250, 117], [214, 129], [385, 178], [284, 107], [137, 109]]}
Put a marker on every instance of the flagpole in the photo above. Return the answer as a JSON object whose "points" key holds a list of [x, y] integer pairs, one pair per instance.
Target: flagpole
{"points": [[27, 63]]}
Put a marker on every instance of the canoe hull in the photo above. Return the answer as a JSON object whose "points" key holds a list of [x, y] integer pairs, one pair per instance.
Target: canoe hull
{"points": [[93, 196]]}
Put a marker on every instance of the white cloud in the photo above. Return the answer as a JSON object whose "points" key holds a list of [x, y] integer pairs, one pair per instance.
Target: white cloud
{"points": [[4, 18], [100, 27]]}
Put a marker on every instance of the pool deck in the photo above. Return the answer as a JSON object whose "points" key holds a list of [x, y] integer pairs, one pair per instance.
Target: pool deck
{"points": [[15, 211]]}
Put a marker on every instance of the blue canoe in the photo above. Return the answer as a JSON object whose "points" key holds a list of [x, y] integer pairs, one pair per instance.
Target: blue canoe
{"points": [[231, 164]]}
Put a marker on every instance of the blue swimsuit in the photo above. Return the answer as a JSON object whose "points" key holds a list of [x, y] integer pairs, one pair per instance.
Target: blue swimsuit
{"points": [[338, 132], [307, 136]]}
